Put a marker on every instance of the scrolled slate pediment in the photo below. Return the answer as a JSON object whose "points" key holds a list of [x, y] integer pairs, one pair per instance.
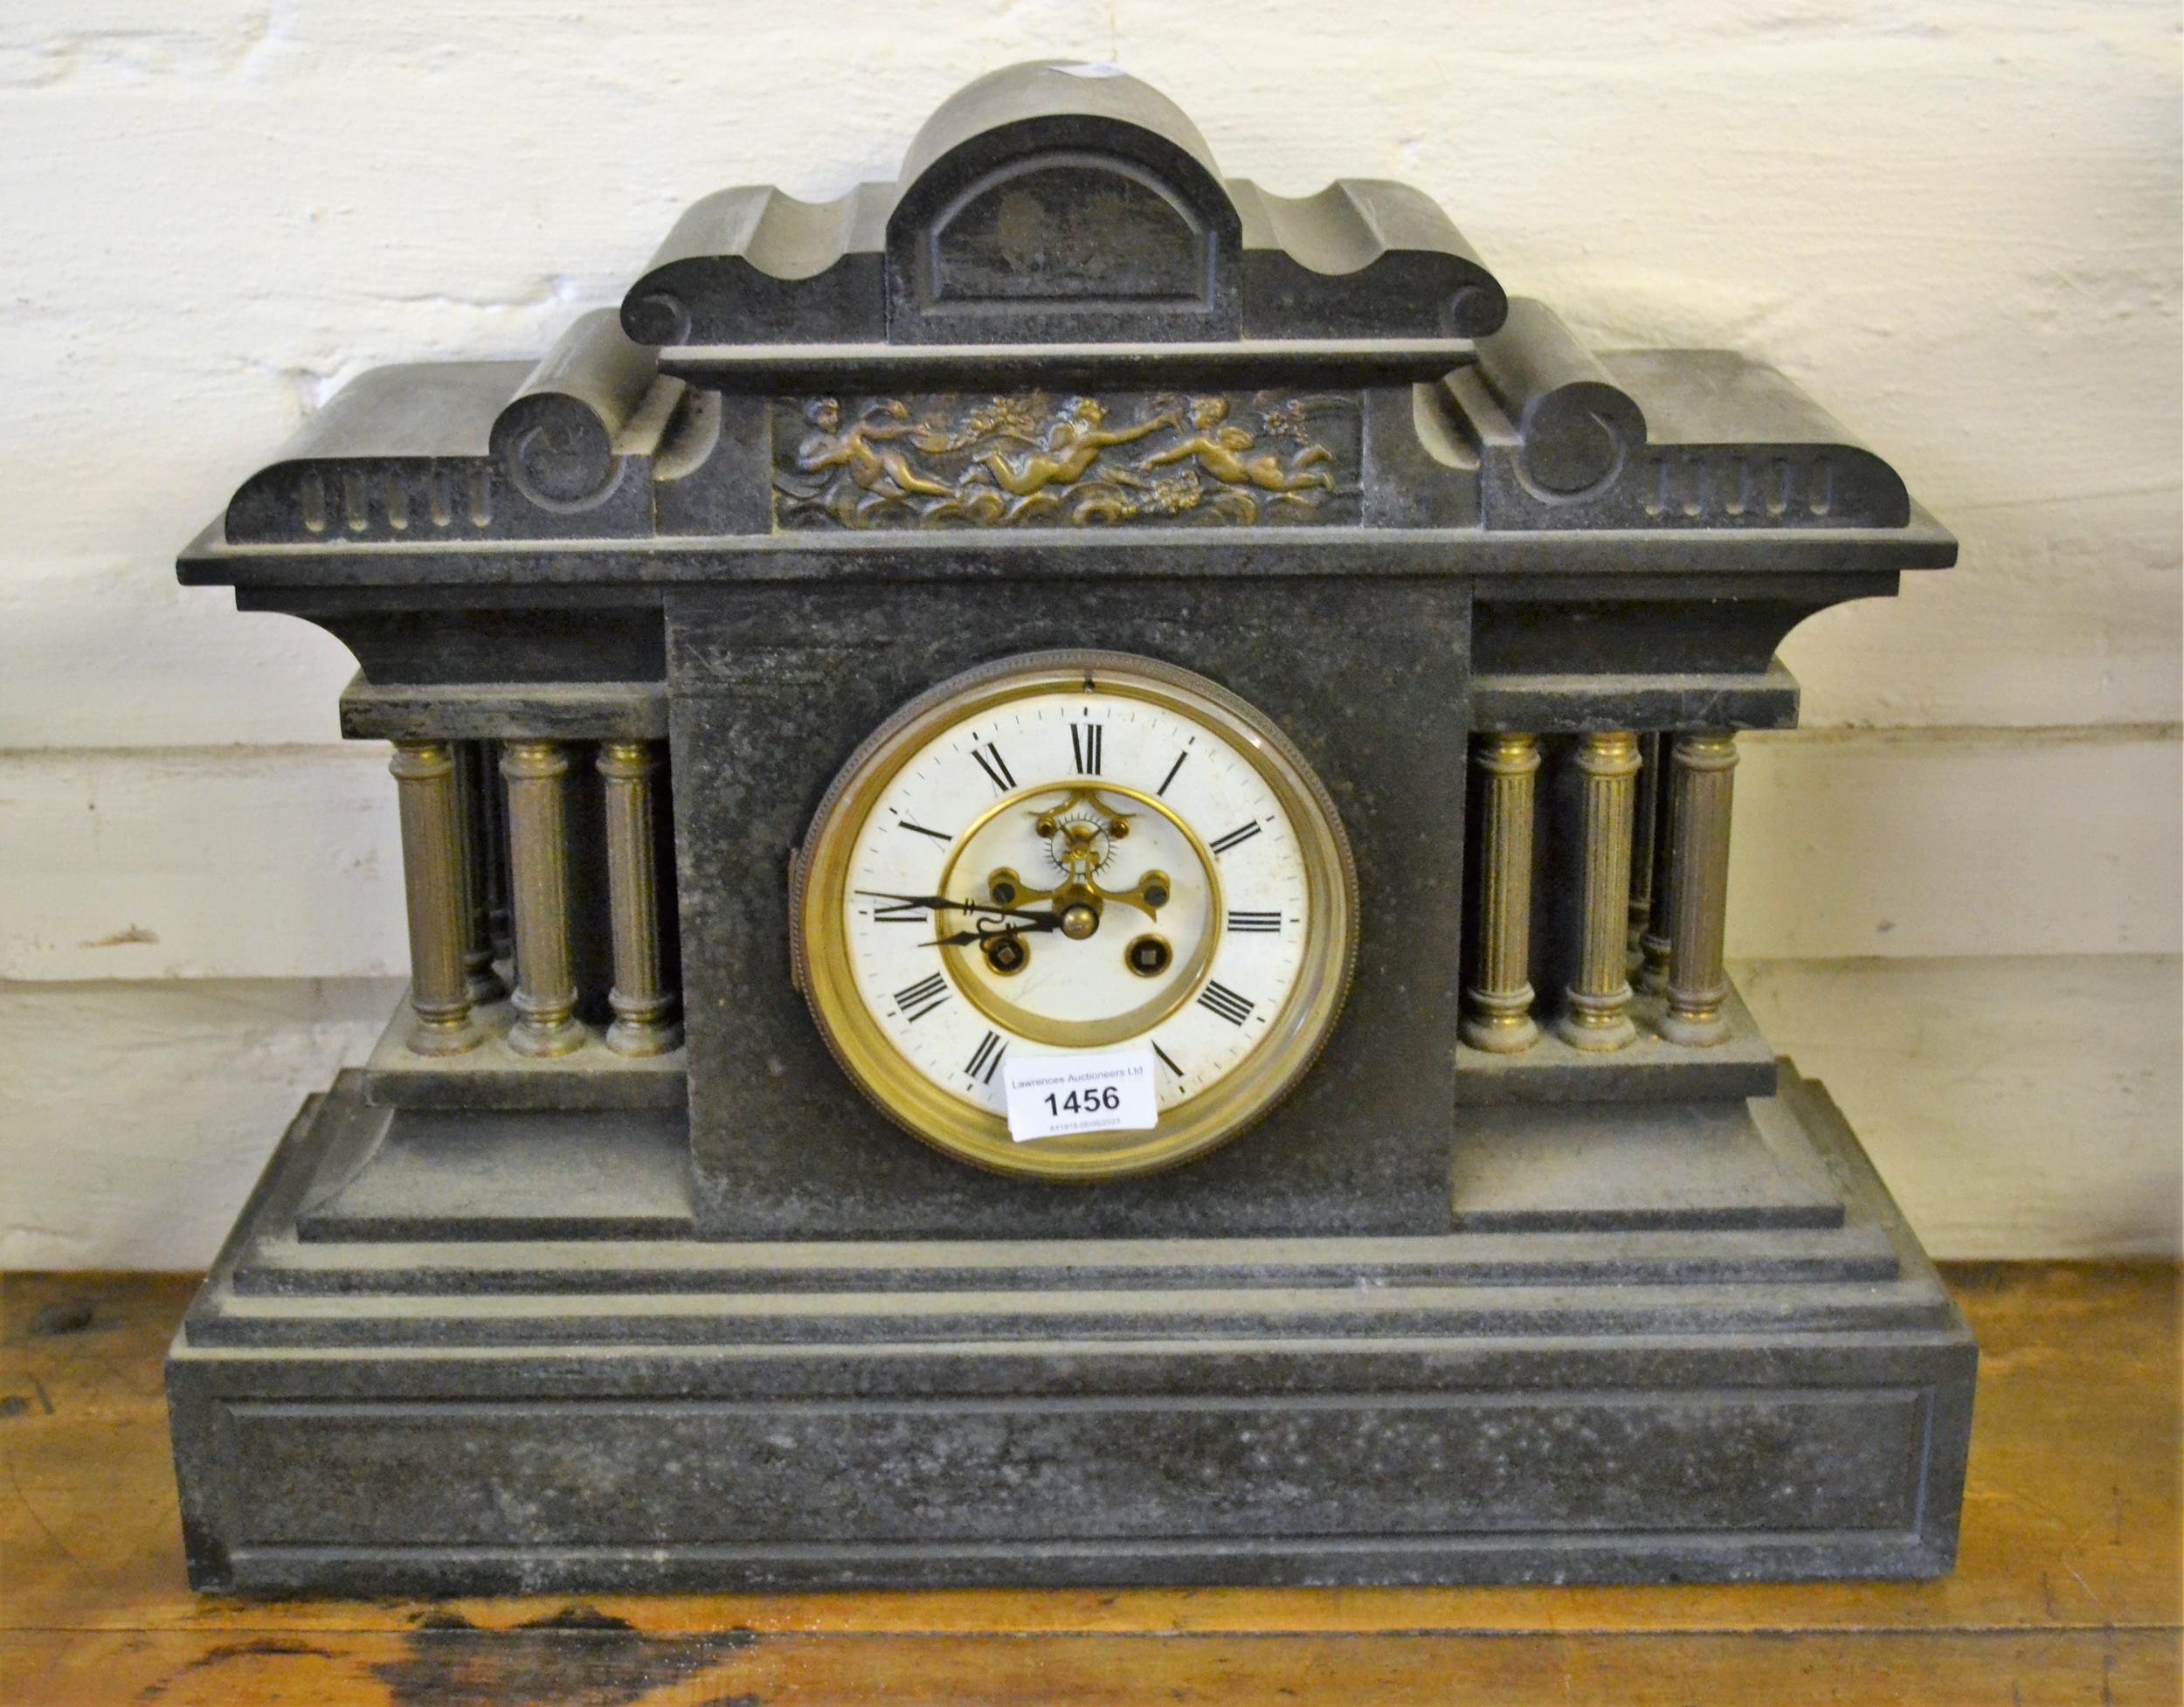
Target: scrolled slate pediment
{"points": [[1057, 205], [1060, 316], [1637, 439]]}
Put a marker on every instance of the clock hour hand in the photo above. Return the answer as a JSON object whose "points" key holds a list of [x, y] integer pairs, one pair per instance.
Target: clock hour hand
{"points": [[937, 901], [963, 939]]}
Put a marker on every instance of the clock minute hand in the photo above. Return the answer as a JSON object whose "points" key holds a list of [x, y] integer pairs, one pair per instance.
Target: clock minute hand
{"points": [[938, 902]]}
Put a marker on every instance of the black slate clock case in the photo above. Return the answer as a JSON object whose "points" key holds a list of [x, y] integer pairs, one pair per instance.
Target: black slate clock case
{"points": [[699, 1315]]}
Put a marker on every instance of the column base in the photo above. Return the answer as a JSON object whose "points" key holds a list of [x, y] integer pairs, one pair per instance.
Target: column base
{"points": [[1597, 1023], [644, 1037], [443, 1037], [493, 1077], [1649, 1070], [1693, 1032], [562, 1037], [1600, 1039], [1501, 1034]]}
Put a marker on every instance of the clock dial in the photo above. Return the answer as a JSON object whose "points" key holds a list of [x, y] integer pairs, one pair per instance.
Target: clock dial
{"points": [[1068, 852]]}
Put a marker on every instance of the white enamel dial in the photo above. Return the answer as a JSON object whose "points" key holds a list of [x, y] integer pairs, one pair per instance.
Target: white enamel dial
{"points": [[1074, 853]]}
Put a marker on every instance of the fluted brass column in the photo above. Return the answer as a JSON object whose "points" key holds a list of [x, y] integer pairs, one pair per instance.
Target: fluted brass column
{"points": [[1703, 766], [644, 1007], [1643, 816], [500, 921], [538, 863], [1499, 999], [1596, 1014], [473, 780], [433, 880], [1652, 945]]}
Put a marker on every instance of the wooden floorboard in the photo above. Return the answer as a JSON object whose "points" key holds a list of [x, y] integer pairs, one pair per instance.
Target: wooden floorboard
{"points": [[2068, 1587], [1663, 1670]]}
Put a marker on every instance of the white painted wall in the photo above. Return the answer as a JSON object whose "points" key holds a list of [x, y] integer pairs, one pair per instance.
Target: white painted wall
{"points": [[1956, 224]]}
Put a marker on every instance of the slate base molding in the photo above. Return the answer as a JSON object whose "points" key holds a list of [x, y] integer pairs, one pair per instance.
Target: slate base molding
{"points": [[1596, 1403]]}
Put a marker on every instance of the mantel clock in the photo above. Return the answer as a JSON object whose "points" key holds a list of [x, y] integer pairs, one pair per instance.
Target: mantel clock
{"points": [[1066, 834]]}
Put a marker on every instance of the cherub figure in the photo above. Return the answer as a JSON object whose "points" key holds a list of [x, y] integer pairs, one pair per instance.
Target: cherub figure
{"points": [[1070, 445], [885, 475], [1218, 449]]}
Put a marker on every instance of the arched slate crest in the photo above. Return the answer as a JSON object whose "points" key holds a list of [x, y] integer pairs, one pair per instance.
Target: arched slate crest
{"points": [[1018, 223], [1053, 204]]}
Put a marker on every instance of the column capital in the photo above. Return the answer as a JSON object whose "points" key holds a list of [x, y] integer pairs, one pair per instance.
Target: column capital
{"points": [[1609, 753], [525, 760], [1707, 750], [627, 761], [422, 761], [1505, 753]]}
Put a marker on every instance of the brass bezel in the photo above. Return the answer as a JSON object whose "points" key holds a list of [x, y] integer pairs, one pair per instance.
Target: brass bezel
{"points": [[977, 1136]]}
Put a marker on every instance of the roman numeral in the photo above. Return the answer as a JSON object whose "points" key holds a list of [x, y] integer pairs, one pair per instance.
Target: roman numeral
{"points": [[940, 836], [1172, 769], [1254, 921], [1165, 1061], [1234, 837], [996, 768], [1219, 998], [1084, 747], [898, 914], [985, 1058], [922, 997]]}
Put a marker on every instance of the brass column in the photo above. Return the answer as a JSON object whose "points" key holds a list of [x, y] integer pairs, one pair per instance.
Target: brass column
{"points": [[500, 923], [473, 781], [1704, 766], [1500, 996], [1597, 1014], [1652, 945], [432, 878], [643, 1005], [538, 861], [1644, 814]]}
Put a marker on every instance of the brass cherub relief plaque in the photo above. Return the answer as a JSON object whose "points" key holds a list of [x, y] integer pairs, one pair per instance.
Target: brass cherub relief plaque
{"points": [[1234, 459]]}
